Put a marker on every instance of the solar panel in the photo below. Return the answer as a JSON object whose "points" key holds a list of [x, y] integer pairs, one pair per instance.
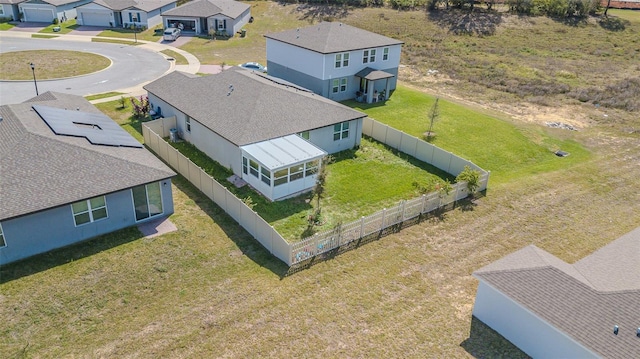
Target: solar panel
{"points": [[97, 128]]}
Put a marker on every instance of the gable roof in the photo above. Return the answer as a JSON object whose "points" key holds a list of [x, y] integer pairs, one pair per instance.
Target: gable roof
{"points": [[12, 1], [42, 170], [247, 107], [144, 5], [331, 37], [53, 2], [584, 300], [206, 8]]}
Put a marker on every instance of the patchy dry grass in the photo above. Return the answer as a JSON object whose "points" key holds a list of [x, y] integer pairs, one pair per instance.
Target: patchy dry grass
{"points": [[50, 64]]}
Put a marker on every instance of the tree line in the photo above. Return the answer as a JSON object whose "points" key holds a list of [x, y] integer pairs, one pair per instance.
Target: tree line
{"points": [[551, 8]]}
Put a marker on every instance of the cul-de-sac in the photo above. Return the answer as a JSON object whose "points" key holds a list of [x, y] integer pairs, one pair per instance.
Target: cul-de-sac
{"points": [[341, 179]]}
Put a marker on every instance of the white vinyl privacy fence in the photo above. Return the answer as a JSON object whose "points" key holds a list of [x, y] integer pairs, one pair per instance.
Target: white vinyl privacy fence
{"points": [[322, 242]]}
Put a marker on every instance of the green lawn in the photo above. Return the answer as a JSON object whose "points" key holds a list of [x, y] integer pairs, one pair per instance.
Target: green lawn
{"points": [[65, 27], [4, 26], [179, 59], [510, 151], [102, 95], [49, 64], [148, 34]]}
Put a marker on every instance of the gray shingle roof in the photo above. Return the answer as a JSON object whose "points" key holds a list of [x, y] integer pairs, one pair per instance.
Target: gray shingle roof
{"points": [[11, 1], [144, 5], [331, 37], [206, 8], [584, 300], [257, 109], [43, 170], [54, 2]]}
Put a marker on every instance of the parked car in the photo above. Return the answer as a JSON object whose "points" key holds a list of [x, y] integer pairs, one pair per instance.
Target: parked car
{"points": [[254, 66], [171, 34]]}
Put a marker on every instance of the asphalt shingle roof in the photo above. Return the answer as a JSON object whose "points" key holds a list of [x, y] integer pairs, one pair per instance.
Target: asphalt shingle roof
{"points": [[332, 37], [42, 170], [247, 107], [584, 300], [206, 8], [144, 5]]}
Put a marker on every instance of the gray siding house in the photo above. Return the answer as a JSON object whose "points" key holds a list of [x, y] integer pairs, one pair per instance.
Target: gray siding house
{"points": [[272, 134], [203, 16], [337, 61], [125, 13], [70, 173], [47, 10], [9, 9], [552, 309]]}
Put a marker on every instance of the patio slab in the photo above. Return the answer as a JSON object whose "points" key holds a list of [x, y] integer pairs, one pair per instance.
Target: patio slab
{"points": [[157, 227]]}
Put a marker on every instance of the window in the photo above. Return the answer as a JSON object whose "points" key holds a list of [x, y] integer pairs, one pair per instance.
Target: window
{"points": [[372, 56], [281, 177], [253, 168], [342, 60], [305, 135], [188, 124], [340, 131], [3, 243], [365, 57], [89, 210], [339, 85], [265, 175], [147, 200], [311, 168], [385, 54], [1, 13], [296, 172], [221, 24], [245, 165]]}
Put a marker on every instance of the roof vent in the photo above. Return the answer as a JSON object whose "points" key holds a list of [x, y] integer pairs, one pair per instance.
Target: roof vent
{"points": [[638, 332], [615, 329], [230, 90]]}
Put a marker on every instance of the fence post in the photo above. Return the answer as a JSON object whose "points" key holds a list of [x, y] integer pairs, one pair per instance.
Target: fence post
{"points": [[424, 203], [361, 226], [384, 210]]}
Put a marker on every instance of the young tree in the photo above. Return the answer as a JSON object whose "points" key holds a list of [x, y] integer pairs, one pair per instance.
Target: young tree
{"points": [[434, 113], [471, 176], [141, 107]]}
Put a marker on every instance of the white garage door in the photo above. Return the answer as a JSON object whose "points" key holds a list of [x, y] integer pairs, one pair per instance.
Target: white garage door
{"points": [[95, 18], [38, 15]]}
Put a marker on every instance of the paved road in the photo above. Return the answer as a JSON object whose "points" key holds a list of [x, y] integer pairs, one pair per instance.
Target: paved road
{"points": [[131, 67]]}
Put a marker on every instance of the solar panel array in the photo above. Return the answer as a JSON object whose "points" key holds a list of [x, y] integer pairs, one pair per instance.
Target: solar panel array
{"points": [[97, 128]]}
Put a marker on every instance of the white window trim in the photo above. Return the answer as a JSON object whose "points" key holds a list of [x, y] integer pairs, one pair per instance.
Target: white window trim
{"points": [[3, 240], [365, 56], [188, 124], [90, 211], [338, 84], [342, 131], [146, 193], [341, 60], [385, 54]]}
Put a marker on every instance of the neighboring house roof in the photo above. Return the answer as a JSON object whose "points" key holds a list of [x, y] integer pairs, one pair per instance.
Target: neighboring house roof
{"points": [[206, 8], [42, 170], [247, 107], [331, 37], [12, 2], [584, 300], [144, 5], [52, 2]]}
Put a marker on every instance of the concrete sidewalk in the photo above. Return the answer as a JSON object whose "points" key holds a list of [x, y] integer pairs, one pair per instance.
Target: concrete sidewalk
{"points": [[193, 66]]}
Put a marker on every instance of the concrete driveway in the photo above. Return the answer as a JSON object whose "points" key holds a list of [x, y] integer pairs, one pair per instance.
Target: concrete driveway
{"points": [[177, 42], [29, 26], [87, 30]]}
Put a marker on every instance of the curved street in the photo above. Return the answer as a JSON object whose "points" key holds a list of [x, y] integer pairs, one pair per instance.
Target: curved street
{"points": [[132, 66]]}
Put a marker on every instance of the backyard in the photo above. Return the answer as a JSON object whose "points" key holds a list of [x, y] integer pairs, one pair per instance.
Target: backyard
{"points": [[210, 290]]}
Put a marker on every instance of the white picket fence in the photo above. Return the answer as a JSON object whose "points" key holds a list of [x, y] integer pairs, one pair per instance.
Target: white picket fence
{"points": [[321, 242]]}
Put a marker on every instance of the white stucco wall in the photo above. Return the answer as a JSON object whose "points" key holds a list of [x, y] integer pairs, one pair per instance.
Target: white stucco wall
{"points": [[523, 328]]}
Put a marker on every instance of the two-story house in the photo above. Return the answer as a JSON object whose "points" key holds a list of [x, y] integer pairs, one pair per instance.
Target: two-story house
{"points": [[336, 60]]}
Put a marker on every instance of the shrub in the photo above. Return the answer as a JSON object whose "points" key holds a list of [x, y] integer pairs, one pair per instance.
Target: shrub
{"points": [[141, 107]]}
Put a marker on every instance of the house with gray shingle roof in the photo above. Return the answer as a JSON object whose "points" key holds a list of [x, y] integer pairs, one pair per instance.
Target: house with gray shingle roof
{"points": [[70, 173], [125, 13], [270, 133], [337, 61], [47, 10], [552, 309], [204, 16], [10, 9]]}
